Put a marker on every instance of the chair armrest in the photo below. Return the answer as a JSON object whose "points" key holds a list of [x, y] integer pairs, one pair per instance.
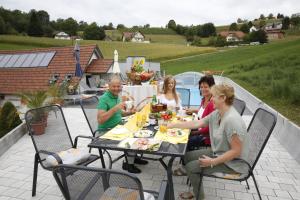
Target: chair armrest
{"points": [[82, 136], [101, 132], [162, 190], [55, 155]]}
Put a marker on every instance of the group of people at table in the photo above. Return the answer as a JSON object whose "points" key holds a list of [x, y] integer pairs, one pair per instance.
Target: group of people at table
{"points": [[219, 127]]}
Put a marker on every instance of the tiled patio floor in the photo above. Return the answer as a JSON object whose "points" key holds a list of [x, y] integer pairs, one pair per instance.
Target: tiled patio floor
{"points": [[277, 173]]}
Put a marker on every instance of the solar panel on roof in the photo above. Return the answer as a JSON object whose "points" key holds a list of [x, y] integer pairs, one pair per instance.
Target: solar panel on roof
{"points": [[29, 60], [21, 59], [48, 57], [5, 60], [41, 59], [12, 61]]}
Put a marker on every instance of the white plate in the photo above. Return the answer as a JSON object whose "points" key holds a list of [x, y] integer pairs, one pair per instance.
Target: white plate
{"points": [[143, 133], [119, 130], [175, 132], [140, 143]]}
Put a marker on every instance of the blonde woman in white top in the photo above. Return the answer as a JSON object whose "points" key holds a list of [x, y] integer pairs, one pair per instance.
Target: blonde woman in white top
{"points": [[169, 95]]}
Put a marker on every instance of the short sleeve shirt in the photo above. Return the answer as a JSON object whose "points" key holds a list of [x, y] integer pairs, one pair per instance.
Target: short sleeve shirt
{"points": [[221, 132], [106, 102]]}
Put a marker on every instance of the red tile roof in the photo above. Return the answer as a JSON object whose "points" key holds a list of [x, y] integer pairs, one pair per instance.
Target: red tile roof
{"points": [[238, 34], [99, 66], [14, 80]]}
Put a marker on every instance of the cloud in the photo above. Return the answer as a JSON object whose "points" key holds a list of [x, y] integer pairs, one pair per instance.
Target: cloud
{"points": [[156, 12]]}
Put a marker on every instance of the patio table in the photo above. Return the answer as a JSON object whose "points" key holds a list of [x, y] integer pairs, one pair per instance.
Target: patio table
{"points": [[167, 149]]}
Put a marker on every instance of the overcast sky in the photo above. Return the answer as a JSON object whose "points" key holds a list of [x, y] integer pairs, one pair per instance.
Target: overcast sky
{"points": [[156, 12]]}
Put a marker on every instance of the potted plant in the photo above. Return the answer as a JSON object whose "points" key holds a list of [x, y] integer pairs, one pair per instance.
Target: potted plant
{"points": [[56, 92], [39, 117]]}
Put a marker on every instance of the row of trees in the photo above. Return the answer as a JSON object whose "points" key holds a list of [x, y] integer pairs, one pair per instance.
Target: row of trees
{"points": [[191, 32], [37, 23]]}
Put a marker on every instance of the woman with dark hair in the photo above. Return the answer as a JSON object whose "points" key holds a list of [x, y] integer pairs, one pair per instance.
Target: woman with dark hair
{"points": [[200, 137]]}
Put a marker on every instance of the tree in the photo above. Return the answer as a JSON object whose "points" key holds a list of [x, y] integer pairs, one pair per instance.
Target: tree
{"points": [[208, 29], [262, 17], [2, 26], [110, 26], [70, 26], [270, 16], [147, 26], [172, 24], [233, 27], [120, 26], [197, 42], [262, 23], [35, 26], [258, 36], [245, 28], [220, 41], [250, 24], [94, 32], [239, 20], [82, 25], [295, 21], [43, 17], [280, 16], [285, 23]]}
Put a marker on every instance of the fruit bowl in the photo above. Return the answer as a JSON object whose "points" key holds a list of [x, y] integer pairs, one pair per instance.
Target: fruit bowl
{"points": [[137, 78]]}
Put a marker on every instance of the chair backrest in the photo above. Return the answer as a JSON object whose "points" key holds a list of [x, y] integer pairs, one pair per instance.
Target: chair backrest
{"points": [[259, 131], [185, 95], [80, 182], [89, 108], [48, 130], [142, 103], [239, 105]]}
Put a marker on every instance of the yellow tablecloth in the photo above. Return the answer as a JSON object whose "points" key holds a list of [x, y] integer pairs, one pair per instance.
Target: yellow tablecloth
{"points": [[132, 127], [174, 140]]}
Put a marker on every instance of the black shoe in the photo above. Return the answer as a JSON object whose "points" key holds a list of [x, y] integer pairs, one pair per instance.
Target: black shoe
{"points": [[131, 168], [140, 161]]}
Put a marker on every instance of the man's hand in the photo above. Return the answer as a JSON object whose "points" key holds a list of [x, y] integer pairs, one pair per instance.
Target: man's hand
{"points": [[120, 106]]}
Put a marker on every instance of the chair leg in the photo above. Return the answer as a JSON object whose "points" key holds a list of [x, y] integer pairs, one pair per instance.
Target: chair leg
{"points": [[248, 187], [35, 172], [256, 186], [199, 187]]}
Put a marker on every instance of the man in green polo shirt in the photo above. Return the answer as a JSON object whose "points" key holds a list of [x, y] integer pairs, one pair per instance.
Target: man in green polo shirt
{"points": [[110, 111]]}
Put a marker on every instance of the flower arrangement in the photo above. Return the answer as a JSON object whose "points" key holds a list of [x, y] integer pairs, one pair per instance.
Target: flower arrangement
{"points": [[138, 73]]}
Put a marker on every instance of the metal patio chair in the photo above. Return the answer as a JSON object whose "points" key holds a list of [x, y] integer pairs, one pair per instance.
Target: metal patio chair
{"points": [[102, 184], [50, 135], [259, 130], [239, 105]]}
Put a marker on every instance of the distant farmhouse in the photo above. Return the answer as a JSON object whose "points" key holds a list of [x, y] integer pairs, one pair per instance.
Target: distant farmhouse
{"points": [[252, 29], [232, 36], [32, 70], [295, 15], [62, 36], [273, 30], [133, 36]]}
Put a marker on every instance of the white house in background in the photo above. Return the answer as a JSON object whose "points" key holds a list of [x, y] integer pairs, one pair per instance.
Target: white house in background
{"points": [[133, 36], [232, 36], [62, 36], [296, 15], [252, 29]]}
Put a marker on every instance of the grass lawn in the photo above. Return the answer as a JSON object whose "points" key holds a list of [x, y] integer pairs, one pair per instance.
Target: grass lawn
{"points": [[268, 71], [153, 51]]}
